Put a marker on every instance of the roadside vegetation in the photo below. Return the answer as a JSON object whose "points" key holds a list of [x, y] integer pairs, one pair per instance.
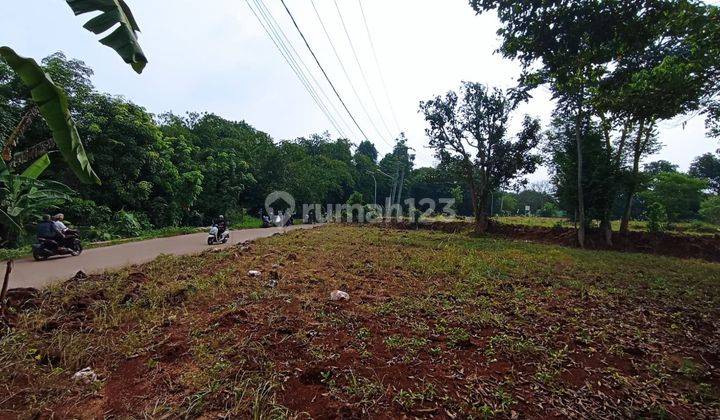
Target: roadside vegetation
{"points": [[437, 324]]}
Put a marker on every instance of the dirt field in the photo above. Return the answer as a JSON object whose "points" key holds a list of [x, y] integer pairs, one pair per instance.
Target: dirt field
{"points": [[437, 325]]}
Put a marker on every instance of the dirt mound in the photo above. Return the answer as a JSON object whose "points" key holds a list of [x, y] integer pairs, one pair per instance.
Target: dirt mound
{"points": [[680, 246], [23, 298]]}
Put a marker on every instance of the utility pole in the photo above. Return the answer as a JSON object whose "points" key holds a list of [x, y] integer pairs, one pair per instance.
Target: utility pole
{"points": [[395, 180], [375, 181], [402, 181]]}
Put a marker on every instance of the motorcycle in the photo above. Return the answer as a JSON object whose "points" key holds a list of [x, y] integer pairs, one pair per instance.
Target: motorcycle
{"points": [[218, 238], [46, 248]]}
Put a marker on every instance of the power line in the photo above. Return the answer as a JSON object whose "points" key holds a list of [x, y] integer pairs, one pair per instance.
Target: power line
{"points": [[347, 75], [377, 63], [338, 114], [303, 70], [362, 72], [274, 37], [307, 44]]}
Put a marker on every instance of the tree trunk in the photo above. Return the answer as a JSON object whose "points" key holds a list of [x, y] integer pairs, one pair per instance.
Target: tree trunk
{"points": [[580, 195], [478, 211], [482, 219], [606, 227], [633, 184], [625, 224]]}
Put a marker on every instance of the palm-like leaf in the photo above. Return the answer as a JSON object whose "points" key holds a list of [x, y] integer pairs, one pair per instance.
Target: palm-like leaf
{"points": [[24, 199], [124, 38], [53, 105], [37, 168]]}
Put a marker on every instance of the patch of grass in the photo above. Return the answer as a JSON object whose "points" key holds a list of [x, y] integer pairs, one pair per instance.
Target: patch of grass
{"points": [[409, 399]]}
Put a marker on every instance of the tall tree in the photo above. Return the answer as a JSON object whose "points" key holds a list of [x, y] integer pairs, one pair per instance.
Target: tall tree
{"points": [[368, 149], [469, 133], [707, 167], [654, 168], [598, 174]]}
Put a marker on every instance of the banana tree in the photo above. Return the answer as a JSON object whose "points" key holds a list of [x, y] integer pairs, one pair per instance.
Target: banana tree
{"points": [[52, 101], [24, 197]]}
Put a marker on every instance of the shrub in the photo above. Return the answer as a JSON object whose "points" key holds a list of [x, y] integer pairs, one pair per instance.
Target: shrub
{"points": [[236, 215], [710, 209], [129, 224], [656, 215], [549, 209], [86, 213]]}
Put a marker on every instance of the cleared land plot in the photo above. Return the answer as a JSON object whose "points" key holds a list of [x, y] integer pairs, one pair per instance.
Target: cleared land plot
{"points": [[438, 325]]}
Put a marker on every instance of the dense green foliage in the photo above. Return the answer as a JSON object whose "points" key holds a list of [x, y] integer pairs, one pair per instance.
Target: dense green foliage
{"points": [[678, 193], [707, 167], [710, 209]]}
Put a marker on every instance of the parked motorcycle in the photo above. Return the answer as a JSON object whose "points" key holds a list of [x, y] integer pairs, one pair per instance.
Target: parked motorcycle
{"points": [[46, 248], [215, 237]]}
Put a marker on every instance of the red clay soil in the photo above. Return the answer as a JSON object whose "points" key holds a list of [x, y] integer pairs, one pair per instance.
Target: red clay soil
{"points": [[680, 246]]}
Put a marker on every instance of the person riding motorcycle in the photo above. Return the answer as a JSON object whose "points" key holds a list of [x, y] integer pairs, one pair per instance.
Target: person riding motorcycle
{"points": [[58, 220], [69, 234], [48, 230], [221, 224]]}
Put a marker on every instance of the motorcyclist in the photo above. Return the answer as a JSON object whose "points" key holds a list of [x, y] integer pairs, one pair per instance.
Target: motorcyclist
{"points": [[48, 230], [69, 234], [58, 219], [221, 225]]}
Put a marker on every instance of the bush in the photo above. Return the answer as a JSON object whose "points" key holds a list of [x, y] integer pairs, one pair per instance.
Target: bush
{"points": [[236, 215], [710, 209], [656, 215], [129, 224], [82, 212], [549, 209]]}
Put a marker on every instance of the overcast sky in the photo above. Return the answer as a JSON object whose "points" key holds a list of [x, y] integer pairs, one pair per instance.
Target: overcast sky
{"points": [[214, 56]]}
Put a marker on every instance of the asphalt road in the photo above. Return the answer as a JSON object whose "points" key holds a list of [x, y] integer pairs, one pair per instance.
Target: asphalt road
{"points": [[30, 273]]}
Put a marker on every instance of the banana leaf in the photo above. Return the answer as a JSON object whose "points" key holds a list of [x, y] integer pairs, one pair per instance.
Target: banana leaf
{"points": [[124, 38], [53, 105], [37, 168]]}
